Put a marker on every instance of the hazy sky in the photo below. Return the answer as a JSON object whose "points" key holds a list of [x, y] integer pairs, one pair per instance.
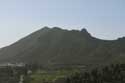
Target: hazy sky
{"points": [[104, 19]]}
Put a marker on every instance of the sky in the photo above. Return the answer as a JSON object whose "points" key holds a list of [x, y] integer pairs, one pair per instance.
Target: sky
{"points": [[104, 19]]}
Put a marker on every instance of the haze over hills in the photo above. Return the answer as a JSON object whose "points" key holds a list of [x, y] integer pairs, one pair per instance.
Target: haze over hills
{"points": [[56, 46]]}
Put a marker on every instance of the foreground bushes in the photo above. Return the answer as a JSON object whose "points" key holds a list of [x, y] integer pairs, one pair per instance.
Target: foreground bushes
{"points": [[109, 74]]}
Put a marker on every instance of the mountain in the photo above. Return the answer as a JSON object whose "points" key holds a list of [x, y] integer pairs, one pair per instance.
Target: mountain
{"points": [[59, 47]]}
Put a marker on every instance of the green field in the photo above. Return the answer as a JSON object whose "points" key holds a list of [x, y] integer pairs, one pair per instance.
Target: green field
{"points": [[41, 76]]}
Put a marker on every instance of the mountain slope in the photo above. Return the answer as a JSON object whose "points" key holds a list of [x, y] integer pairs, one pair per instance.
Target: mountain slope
{"points": [[64, 47]]}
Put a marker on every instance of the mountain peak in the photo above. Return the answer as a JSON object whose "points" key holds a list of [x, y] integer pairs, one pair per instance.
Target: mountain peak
{"points": [[84, 30], [45, 28], [56, 27]]}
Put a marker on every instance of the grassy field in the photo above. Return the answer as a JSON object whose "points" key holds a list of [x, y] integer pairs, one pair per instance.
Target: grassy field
{"points": [[41, 76]]}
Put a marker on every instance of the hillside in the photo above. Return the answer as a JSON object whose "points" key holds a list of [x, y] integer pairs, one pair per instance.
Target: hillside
{"points": [[59, 47]]}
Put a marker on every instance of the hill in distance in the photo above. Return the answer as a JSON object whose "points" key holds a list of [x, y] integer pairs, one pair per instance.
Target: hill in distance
{"points": [[59, 47]]}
